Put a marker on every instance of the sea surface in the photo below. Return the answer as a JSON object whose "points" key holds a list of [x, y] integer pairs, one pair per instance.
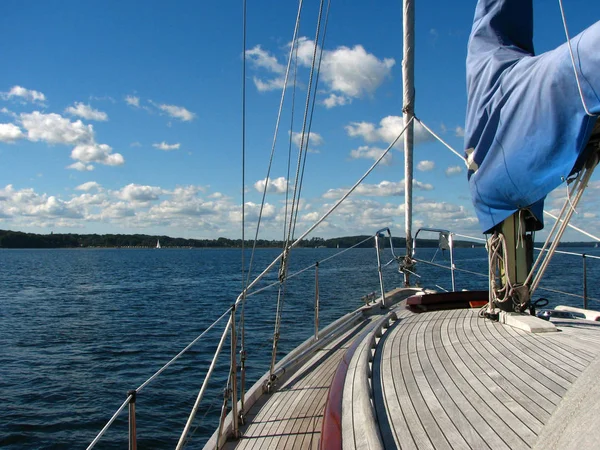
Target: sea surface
{"points": [[81, 327]]}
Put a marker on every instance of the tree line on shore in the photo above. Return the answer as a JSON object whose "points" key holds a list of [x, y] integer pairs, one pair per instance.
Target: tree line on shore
{"points": [[18, 239]]}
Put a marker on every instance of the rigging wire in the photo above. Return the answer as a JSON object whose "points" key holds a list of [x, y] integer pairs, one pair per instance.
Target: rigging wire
{"points": [[313, 107], [264, 194], [580, 184], [149, 380], [290, 143], [295, 197], [302, 151], [564, 21]]}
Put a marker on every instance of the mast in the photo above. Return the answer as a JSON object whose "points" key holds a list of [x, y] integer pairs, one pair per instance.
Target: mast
{"points": [[408, 73]]}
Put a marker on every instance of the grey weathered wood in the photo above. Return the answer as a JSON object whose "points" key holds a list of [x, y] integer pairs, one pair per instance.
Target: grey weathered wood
{"points": [[291, 417], [471, 382], [446, 379], [398, 400]]}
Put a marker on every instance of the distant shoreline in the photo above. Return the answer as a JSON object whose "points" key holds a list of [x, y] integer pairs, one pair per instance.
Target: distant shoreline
{"points": [[18, 239]]}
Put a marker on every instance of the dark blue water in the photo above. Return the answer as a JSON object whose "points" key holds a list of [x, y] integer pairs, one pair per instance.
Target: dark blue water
{"points": [[78, 328]]}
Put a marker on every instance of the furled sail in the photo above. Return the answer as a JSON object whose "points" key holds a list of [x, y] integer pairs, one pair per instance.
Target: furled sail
{"points": [[526, 127]]}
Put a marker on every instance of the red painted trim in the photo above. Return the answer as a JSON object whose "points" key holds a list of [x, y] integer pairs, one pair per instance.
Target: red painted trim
{"points": [[447, 297], [331, 429]]}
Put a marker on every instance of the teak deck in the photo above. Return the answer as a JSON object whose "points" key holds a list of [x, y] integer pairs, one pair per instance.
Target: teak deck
{"points": [[442, 379]]}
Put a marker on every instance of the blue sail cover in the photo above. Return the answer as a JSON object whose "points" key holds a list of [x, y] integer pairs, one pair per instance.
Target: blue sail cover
{"points": [[526, 129]]}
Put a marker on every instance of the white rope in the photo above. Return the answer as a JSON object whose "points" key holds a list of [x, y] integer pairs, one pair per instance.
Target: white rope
{"points": [[442, 141], [564, 20]]}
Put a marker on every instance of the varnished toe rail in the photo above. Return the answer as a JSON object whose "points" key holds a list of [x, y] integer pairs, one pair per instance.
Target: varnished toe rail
{"points": [[351, 383]]}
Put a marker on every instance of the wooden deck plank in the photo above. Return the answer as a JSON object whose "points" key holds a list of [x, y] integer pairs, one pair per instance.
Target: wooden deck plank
{"points": [[309, 413], [446, 380], [302, 391], [412, 374], [517, 370], [387, 407], [458, 406], [542, 364], [408, 430], [584, 340], [291, 416], [509, 417], [458, 430], [569, 354], [503, 415]]}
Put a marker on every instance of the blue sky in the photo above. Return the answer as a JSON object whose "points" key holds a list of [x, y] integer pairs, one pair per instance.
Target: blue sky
{"points": [[123, 117]]}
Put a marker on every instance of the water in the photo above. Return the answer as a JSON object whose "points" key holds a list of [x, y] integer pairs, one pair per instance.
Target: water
{"points": [[78, 328]]}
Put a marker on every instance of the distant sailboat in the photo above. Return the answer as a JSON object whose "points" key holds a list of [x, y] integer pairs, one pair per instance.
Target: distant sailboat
{"points": [[158, 243]]}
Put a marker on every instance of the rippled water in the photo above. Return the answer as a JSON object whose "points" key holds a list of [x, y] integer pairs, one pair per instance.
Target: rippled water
{"points": [[78, 328]]}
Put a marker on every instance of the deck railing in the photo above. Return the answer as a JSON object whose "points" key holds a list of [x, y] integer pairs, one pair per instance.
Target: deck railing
{"points": [[447, 243], [230, 330]]}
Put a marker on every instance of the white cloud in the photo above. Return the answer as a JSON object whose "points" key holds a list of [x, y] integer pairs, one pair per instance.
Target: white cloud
{"points": [[137, 193], [55, 129], [315, 139], [132, 100], [351, 72], [366, 152], [425, 166], [459, 131], [177, 112], [453, 170], [252, 211], [166, 147], [135, 144], [119, 210], [10, 132], [263, 59], [276, 186], [101, 153], [268, 85], [336, 100], [132, 207], [389, 128], [88, 186], [383, 189], [27, 204], [87, 112], [8, 112], [28, 95], [311, 216], [346, 73], [81, 167]]}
